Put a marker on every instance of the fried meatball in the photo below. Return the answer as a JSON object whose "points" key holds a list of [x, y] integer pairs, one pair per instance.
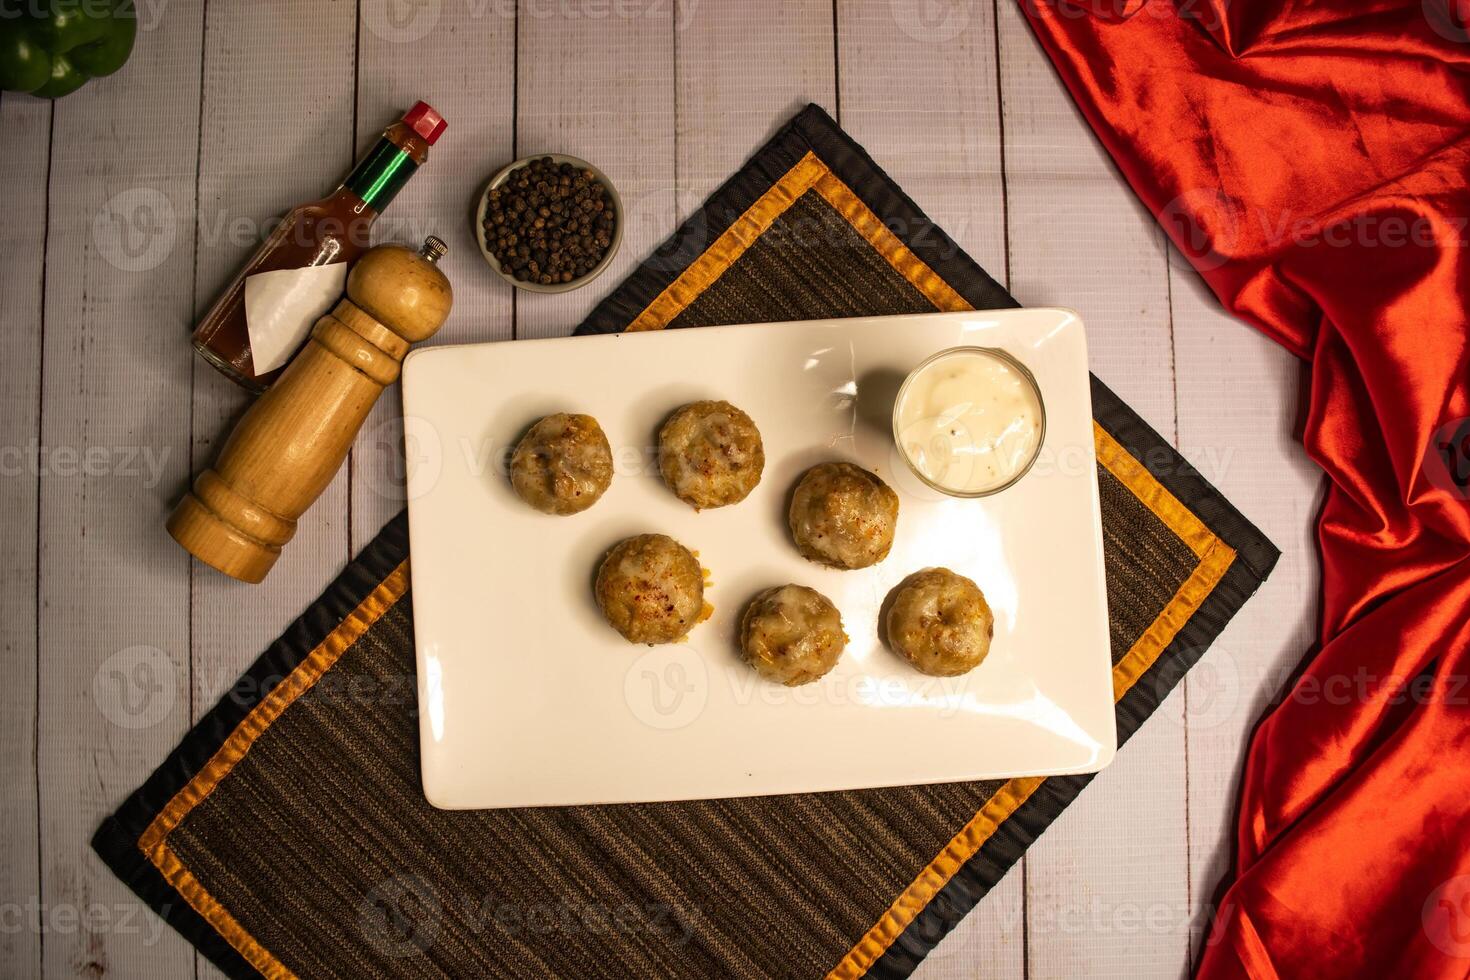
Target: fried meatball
{"points": [[651, 589], [710, 454], [843, 516], [792, 635], [941, 622], [562, 465]]}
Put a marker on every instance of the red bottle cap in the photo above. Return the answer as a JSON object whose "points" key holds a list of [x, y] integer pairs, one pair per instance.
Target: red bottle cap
{"points": [[422, 119]]}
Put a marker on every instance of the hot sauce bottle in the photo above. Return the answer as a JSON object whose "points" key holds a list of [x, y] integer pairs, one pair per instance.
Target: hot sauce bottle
{"points": [[265, 314]]}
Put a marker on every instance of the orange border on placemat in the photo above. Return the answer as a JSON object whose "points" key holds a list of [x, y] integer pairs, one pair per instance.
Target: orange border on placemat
{"points": [[1215, 559], [809, 173], [154, 842]]}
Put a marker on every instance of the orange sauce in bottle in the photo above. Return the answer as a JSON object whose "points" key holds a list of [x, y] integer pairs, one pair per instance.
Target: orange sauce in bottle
{"points": [[333, 230]]}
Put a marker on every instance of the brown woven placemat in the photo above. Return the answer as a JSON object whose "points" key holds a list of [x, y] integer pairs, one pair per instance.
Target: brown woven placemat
{"points": [[288, 833]]}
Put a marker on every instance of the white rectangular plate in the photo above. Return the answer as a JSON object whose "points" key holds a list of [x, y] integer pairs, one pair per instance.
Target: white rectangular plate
{"points": [[528, 698]]}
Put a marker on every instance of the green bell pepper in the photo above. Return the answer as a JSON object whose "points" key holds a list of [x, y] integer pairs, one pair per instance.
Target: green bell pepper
{"points": [[51, 48]]}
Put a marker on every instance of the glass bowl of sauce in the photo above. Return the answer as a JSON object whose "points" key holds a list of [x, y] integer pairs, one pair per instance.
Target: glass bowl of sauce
{"points": [[969, 421]]}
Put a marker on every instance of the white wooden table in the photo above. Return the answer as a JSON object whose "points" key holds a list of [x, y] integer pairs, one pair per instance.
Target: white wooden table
{"points": [[130, 203]]}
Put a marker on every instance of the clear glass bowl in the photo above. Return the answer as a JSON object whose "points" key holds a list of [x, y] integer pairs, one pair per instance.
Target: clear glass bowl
{"points": [[951, 352]]}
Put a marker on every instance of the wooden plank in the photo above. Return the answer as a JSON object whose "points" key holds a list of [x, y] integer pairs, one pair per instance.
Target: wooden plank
{"points": [[919, 94], [1079, 238], [254, 163], [1107, 889], [743, 70], [258, 158], [1252, 453], [597, 81], [114, 594], [460, 58], [27, 124]]}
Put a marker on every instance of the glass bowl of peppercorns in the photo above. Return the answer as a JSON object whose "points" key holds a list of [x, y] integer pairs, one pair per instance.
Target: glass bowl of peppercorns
{"points": [[549, 223]]}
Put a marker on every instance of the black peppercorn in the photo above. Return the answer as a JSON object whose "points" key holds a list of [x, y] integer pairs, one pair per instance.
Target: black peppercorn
{"points": [[549, 223]]}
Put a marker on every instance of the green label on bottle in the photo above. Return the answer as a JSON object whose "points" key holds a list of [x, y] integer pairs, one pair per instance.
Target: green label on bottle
{"points": [[380, 176]]}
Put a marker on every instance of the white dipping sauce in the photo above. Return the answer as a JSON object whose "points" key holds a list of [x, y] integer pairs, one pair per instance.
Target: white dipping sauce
{"points": [[969, 421]]}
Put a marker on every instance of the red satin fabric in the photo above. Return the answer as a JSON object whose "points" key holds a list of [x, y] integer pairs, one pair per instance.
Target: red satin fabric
{"points": [[1312, 158]]}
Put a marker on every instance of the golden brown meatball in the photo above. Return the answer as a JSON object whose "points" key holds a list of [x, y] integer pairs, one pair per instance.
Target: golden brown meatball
{"points": [[562, 465], [651, 589], [843, 516], [710, 454], [941, 622], [792, 635]]}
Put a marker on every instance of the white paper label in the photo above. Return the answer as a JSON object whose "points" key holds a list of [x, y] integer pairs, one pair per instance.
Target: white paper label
{"points": [[282, 306]]}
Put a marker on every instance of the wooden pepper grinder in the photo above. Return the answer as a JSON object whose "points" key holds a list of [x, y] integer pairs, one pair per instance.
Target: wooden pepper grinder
{"points": [[292, 440]]}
